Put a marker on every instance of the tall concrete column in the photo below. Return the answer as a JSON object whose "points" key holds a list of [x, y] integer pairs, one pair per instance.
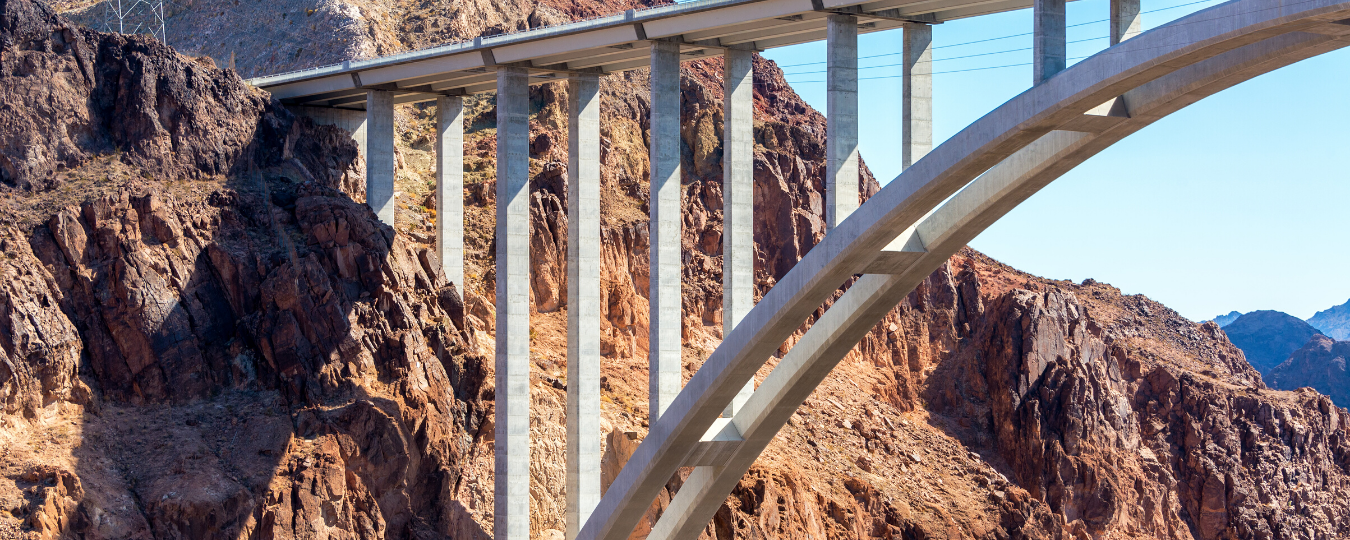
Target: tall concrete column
{"points": [[352, 121], [512, 484], [917, 100], [738, 213], [450, 188], [663, 352], [1126, 21], [380, 154], [841, 119], [583, 300], [1049, 50]]}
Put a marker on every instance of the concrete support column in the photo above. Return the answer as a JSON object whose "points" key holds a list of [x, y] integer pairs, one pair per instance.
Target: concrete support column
{"points": [[380, 154], [450, 188], [841, 119], [351, 120], [1126, 21], [738, 213], [1049, 49], [664, 234], [512, 445], [917, 105], [583, 300]]}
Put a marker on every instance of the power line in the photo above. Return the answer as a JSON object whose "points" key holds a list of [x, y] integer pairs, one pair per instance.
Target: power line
{"points": [[1008, 36], [956, 57], [1102, 52]]}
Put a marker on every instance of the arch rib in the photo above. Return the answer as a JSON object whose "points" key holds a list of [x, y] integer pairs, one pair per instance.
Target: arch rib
{"points": [[1158, 72], [944, 232]]}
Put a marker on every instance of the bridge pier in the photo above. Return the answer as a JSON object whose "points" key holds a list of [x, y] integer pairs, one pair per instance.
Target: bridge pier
{"points": [[664, 343], [583, 300], [1126, 20], [379, 150], [738, 213], [450, 188], [917, 100], [1049, 48], [512, 431], [841, 119]]}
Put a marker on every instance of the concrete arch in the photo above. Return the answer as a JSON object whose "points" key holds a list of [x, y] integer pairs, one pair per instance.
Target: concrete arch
{"points": [[907, 230]]}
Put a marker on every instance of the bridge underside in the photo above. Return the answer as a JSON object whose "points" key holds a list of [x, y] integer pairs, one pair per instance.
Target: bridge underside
{"points": [[607, 45], [719, 422]]}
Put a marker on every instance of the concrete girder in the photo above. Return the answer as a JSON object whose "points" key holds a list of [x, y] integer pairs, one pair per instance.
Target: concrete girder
{"points": [[722, 18], [1133, 64], [757, 26]]}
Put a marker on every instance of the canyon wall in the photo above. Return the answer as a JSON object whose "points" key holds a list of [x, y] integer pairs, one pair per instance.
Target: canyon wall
{"points": [[206, 335]]}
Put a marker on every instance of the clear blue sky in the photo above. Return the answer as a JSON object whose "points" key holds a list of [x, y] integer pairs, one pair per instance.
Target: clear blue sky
{"points": [[1239, 202]]}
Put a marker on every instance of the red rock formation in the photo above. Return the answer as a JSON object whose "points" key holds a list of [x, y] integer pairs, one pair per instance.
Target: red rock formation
{"points": [[230, 346]]}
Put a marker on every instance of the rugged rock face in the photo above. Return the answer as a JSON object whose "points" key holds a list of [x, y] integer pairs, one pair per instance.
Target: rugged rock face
{"points": [[1268, 337], [245, 352], [301, 34], [1319, 364], [87, 94], [1334, 322]]}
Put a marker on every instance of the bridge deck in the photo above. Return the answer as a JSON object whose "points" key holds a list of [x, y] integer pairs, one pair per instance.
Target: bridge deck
{"points": [[607, 45]]}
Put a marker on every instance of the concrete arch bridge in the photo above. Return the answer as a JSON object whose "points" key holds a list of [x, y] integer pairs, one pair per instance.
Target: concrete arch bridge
{"points": [[720, 422]]}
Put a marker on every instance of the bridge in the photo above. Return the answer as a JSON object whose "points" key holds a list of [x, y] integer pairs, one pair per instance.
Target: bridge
{"points": [[720, 422]]}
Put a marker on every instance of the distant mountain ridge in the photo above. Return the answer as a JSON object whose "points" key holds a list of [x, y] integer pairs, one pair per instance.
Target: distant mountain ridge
{"points": [[1267, 337], [1334, 322], [1319, 364], [1225, 320]]}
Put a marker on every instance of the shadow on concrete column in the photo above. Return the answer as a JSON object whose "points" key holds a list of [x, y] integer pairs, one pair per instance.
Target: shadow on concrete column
{"points": [[916, 109], [450, 188], [380, 154], [512, 483], [1049, 50], [738, 175], [1126, 20], [583, 300], [663, 351], [841, 119]]}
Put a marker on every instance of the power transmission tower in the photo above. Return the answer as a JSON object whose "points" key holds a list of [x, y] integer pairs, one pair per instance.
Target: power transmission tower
{"points": [[135, 15]]}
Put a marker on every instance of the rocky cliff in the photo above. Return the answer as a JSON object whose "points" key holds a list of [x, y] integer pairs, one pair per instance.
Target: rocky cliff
{"points": [[232, 347], [1319, 364]]}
